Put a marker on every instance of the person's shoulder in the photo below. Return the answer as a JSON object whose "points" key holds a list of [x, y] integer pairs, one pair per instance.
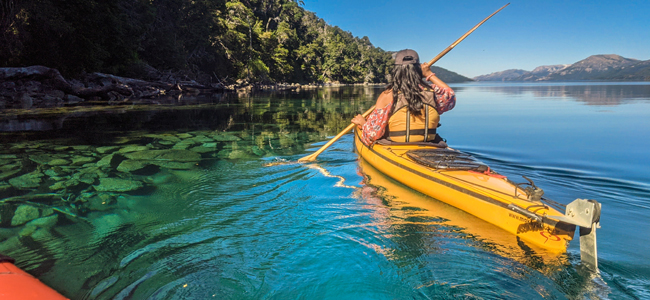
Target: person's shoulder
{"points": [[385, 98]]}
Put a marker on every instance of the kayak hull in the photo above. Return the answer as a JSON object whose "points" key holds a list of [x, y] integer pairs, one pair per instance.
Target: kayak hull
{"points": [[18, 284], [488, 197]]}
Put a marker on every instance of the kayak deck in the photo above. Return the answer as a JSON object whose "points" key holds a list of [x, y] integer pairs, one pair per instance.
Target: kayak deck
{"points": [[486, 195]]}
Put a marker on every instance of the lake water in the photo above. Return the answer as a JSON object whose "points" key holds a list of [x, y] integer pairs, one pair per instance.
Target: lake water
{"points": [[175, 198]]}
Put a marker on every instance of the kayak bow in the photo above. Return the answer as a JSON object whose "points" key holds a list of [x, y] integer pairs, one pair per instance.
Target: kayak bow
{"points": [[18, 284]]}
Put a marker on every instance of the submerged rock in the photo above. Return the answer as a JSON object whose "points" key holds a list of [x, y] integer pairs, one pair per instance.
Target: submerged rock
{"points": [[202, 139], [88, 175], [24, 214], [225, 137], [176, 165], [59, 185], [111, 160], [182, 145], [165, 155], [28, 181], [11, 244], [132, 148], [56, 172], [105, 161], [41, 159], [203, 149], [62, 148], [117, 185], [166, 143], [130, 165], [82, 160], [184, 135], [39, 229], [172, 158], [58, 162], [106, 149], [44, 222], [239, 154], [7, 171]]}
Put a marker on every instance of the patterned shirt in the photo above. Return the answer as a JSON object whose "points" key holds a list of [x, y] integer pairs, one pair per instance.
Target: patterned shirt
{"points": [[375, 125]]}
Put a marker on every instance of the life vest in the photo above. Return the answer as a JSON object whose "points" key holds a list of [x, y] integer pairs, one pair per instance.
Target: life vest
{"points": [[405, 127]]}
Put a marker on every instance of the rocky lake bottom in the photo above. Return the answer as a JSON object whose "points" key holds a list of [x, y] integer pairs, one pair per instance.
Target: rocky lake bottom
{"points": [[46, 183]]}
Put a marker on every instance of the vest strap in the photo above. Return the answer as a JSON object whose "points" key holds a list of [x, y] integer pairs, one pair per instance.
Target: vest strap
{"points": [[432, 131], [426, 124], [408, 126]]}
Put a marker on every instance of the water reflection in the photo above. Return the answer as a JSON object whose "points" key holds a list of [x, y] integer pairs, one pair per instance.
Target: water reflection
{"points": [[138, 200], [591, 94], [440, 238], [69, 170]]}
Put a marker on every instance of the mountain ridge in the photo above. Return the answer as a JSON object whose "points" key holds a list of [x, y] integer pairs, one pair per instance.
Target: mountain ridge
{"points": [[596, 67]]}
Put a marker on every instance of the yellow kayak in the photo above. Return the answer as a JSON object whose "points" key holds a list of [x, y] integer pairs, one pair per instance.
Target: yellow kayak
{"points": [[454, 178]]}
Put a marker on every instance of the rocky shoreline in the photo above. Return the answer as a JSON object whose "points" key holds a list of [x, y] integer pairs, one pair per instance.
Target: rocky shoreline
{"points": [[43, 87]]}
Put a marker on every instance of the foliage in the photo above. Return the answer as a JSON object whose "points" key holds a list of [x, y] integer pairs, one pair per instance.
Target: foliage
{"points": [[260, 40]]}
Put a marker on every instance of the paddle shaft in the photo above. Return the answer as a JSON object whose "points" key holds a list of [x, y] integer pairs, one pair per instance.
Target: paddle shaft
{"points": [[313, 156], [439, 56]]}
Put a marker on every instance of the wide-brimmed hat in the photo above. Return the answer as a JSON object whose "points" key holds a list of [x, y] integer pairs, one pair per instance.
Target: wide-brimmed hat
{"points": [[406, 57]]}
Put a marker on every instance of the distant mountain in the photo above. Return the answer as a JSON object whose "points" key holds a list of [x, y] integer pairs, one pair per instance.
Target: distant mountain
{"points": [[595, 67], [540, 72], [506, 75], [636, 72], [449, 76], [592, 68]]}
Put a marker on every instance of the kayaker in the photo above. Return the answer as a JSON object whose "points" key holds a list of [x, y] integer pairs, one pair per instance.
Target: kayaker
{"points": [[409, 109]]}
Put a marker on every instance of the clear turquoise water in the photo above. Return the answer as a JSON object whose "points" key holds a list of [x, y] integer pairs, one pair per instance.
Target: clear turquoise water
{"points": [[234, 228]]}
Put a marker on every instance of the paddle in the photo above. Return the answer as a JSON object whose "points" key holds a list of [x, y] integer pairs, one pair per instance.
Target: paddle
{"points": [[313, 156]]}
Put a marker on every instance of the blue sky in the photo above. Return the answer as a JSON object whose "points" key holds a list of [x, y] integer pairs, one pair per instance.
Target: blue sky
{"points": [[525, 35]]}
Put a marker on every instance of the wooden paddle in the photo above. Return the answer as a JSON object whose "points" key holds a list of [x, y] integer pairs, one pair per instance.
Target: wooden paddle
{"points": [[313, 156]]}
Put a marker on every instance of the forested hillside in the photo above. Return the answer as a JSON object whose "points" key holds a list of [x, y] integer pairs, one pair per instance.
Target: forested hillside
{"points": [[264, 40]]}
